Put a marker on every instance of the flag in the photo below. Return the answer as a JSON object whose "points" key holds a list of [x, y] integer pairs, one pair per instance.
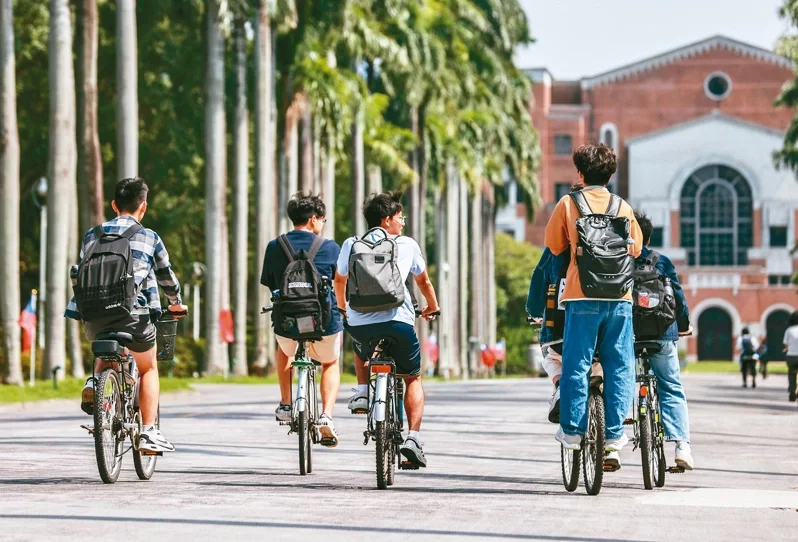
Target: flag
{"points": [[27, 321], [226, 326]]}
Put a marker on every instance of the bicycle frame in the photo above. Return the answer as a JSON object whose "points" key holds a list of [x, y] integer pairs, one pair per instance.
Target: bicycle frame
{"points": [[305, 368]]}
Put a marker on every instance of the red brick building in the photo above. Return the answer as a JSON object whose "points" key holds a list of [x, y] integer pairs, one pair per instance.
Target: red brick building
{"points": [[694, 130]]}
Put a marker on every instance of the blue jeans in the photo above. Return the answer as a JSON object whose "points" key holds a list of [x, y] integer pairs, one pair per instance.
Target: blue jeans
{"points": [[606, 326], [673, 403]]}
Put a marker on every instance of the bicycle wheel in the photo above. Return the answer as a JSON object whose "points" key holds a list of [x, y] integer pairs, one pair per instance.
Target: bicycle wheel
{"points": [[108, 418], [393, 448], [647, 448], [593, 449], [313, 418], [145, 463], [659, 444], [570, 468], [304, 442]]}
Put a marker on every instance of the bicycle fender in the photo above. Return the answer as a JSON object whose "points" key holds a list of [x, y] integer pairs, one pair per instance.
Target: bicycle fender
{"points": [[380, 396], [302, 390]]}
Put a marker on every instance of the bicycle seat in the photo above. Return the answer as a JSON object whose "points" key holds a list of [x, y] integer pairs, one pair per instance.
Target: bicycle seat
{"points": [[650, 347], [118, 336], [111, 343]]}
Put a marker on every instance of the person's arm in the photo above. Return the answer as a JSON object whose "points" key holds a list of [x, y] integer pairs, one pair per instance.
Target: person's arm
{"points": [[428, 291], [536, 296], [556, 236], [72, 307], [635, 233], [682, 312], [165, 276], [786, 340], [339, 284]]}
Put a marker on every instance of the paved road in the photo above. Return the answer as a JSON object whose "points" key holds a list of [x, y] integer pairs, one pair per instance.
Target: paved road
{"points": [[494, 474]]}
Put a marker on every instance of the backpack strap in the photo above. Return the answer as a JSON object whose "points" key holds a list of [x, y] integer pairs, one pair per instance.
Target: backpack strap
{"points": [[372, 230], [286, 246], [315, 246], [581, 203], [653, 257], [98, 232], [615, 205], [131, 231]]}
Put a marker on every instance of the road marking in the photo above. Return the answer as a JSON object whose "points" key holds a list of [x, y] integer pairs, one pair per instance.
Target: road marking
{"points": [[724, 498]]}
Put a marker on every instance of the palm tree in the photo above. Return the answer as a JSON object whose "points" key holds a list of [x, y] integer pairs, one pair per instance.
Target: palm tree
{"points": [[265, 187], [61, 172], [73, 326], [91, 202], [214, 185], [9, 199], [127, 111], [240, 201]]}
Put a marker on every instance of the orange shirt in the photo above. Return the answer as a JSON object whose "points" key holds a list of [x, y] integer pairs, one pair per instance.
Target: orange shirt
{"points": [[561, 235]]}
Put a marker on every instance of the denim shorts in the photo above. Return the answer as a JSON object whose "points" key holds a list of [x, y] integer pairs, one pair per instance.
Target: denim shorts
{"points": [[406, 353]]}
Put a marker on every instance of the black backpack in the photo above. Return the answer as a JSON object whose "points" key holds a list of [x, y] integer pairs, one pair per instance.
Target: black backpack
{"points": [[748, 347], [105, 288], [302, 310], [654, 309], [602, 254]]}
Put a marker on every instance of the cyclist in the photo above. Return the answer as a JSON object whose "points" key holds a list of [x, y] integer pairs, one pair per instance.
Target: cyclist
{"points": [[307, 213], [591, 324], [665, 363], [385, 211], [151, 268]]}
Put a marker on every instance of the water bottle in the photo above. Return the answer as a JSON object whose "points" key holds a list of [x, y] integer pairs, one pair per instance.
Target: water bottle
{"points": [[668, 288]]}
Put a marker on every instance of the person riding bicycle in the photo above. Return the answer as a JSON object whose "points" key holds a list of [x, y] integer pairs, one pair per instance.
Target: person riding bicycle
{"points": [[151, 268], [307, 213], [385, 219], [599, 319], [665, 363]]}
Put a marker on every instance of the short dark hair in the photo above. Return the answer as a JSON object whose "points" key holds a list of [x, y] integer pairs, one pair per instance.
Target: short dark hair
{"points": [[596, 162], [745, 331], [645, 226], [793, 321], [130, 193], [380, 206], [301, 208]]}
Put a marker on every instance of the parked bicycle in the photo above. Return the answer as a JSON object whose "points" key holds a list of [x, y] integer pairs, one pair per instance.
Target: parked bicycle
{"points": [[647, 421], [590, 456], [305, 405], [386, 411], [116, 408]]}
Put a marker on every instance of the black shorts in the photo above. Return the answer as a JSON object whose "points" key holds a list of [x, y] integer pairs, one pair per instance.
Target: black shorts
{"points": [[138, 325], [406, 353]]}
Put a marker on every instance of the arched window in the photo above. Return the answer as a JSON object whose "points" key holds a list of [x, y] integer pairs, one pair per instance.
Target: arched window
{"points": [[716, 217]]}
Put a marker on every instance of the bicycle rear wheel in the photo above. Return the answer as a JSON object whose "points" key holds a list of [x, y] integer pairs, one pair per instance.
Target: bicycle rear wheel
{"points": [[570, 468], [108, 419], [593, 449], [304, 443], [145, 463]]}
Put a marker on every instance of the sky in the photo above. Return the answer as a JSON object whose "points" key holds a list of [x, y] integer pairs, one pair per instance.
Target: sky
{"points": [[581, 38]]}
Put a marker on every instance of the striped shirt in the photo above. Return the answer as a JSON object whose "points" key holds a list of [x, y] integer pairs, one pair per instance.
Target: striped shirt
{"points": [[150, 267]]}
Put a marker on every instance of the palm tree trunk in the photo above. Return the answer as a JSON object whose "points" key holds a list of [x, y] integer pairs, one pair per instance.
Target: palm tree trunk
{"points": [[9, 199], [306, 151], [73, 326], [214, 186], [374, 180], [490, 259], [91, 205], [328, 173], [453, 265], [289, 184], [358, 169], [442, 282], [127, 111], [422, 328], [476, 281], [240, 204], [462, 275], [414, 198], [61, 171], [265, 187]]}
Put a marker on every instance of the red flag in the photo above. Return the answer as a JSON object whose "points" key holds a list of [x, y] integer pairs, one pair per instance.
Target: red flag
{"points": [[27, 321], [226, 326]]}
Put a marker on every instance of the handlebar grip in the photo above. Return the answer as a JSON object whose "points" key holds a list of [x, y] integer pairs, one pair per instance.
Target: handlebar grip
{"points": [[266, 310]]}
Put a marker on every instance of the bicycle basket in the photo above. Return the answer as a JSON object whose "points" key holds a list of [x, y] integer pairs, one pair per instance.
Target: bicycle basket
{"points": [[165, 340]]}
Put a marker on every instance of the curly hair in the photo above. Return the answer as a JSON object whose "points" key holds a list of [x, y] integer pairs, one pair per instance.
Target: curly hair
{"points": [[302, 208], [596, 162], [380, 206]]}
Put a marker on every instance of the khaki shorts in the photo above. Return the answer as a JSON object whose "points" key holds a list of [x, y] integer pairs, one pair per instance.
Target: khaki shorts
{"points": [[327, 350]]}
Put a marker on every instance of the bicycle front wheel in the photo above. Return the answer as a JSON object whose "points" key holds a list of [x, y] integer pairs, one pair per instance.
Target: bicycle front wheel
{"points": [[658, 439], [570, 468], [593, 449], [108, 429], [145, 463], [305, 464]]}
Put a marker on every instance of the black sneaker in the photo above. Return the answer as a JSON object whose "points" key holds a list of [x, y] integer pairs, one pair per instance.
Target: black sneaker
{"points": [[412, 451]]}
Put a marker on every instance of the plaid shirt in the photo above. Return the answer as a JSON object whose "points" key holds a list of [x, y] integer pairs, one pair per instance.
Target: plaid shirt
{"points": [[150, 267]]}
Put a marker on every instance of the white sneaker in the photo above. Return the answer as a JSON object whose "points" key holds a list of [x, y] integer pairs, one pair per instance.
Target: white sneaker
{"points": [[154, 441], [569, 442], [684, 455], [616, 444], [283, 413], [612, 460], [359, 402], [329, 437], [554, 406]]}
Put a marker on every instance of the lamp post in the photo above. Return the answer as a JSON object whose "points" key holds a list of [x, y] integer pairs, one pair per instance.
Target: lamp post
{"points": [[39, 194]]}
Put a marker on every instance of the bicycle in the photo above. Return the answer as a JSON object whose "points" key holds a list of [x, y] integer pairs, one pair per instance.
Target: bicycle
{"points": [[386, 411], [591, 452], [116, 407], [649, 430], [305, 408]]}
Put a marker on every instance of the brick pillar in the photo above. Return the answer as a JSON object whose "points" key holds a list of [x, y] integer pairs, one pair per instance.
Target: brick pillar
{"points": [[675, 230]]}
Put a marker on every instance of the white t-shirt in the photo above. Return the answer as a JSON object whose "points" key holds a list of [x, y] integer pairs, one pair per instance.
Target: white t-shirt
{"points": [[409, 261], [791, 340]]}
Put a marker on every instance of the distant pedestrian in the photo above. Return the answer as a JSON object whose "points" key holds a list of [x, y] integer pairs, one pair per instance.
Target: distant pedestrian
{"points": [[762, 352], [791, 348], [747, 345]]}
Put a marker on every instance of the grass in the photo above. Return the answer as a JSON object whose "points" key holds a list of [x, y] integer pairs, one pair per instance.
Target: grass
{"points": [[774, 367]]}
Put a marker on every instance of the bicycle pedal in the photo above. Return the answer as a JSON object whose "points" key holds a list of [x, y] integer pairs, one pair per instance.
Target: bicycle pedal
{"points": [[407, 465], [675, 470], [150, 453], [365, 438], [610, 468], [360, 411], [87, 428], [629, 421], [280, 422]]}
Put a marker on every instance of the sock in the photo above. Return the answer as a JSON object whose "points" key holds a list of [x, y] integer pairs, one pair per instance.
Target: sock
{"points": [[363, 389], [415, 435], [147, 427]]}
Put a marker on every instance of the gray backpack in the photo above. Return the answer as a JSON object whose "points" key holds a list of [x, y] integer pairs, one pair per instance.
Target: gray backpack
{"points": [[375, 283]]}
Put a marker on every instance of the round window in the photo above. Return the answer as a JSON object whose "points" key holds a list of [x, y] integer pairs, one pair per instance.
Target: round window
{"points": [[717, 86]]}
